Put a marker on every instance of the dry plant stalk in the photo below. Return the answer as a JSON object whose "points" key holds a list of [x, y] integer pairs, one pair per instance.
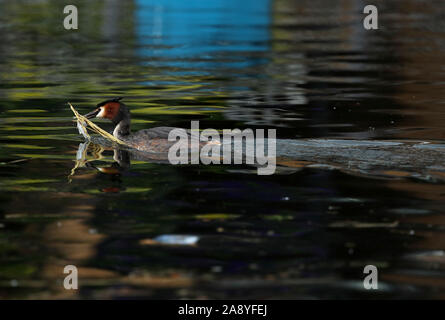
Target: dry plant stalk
{"points": [[81, 120]]}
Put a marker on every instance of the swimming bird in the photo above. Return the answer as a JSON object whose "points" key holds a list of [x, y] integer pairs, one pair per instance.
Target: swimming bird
{"points": [[149, 140]]}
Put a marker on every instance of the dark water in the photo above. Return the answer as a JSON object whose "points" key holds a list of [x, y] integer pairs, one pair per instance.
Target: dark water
{"points": [[306, 68]]}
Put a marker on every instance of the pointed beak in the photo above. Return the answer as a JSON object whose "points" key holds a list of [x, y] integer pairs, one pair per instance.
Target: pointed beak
{"points": [[92, 114]]}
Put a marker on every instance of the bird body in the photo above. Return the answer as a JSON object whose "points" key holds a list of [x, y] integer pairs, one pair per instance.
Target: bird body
{"points": [[149, 140]]}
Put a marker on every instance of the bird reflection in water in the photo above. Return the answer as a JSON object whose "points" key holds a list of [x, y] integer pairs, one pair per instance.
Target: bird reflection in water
{"points": [[89, 153]]}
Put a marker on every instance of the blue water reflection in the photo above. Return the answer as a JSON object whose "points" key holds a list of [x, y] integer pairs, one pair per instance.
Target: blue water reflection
{"points": [[198, 34]]}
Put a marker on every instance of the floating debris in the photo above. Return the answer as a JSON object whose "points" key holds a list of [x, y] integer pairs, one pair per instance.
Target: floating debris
{"points": [[171, 239]]}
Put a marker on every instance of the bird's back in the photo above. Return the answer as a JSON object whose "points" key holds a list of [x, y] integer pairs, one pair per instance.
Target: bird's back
{"points": [[153, 140]]}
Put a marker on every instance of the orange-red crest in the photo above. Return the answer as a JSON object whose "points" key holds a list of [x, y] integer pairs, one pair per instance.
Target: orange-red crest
{"points": [[109, 110]]}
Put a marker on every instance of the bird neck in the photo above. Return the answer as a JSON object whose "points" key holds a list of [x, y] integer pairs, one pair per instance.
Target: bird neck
{"points": [[122, 129]]}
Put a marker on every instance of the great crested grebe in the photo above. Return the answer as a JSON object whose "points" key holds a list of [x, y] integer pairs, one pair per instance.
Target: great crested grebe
{"points": [[150, 140]]}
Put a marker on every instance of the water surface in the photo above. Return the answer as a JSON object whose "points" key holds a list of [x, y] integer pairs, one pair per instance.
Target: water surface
{"points": [[153, 230]]}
